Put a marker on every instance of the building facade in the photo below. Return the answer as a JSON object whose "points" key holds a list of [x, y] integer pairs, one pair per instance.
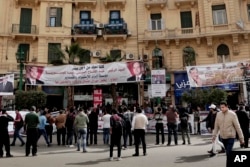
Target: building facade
{"points": [[159, 32]]}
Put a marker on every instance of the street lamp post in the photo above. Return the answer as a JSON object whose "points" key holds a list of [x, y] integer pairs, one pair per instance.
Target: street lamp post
{"points": [[20, 59], [157, 66]]}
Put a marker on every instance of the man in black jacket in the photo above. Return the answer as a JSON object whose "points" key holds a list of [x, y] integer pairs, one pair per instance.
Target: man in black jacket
{"points": [[4, 137], [244, 123]]}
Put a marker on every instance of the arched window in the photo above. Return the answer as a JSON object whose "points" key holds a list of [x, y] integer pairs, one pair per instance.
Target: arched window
{"points": [[189, 56], [157, 61], [223, 53]]}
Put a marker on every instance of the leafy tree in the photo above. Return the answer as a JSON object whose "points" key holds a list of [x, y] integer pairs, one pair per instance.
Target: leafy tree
{"points": [[107, 59], [26, 99], [189, 56], [73, 52], [202, 97]]}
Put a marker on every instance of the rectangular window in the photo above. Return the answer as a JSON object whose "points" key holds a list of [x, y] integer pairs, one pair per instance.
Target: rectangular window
{"points": [[156, 21], [54, 17], [248, 11], [219, 14], [53, 51], [116, 54], [85, 17], [186, 19]]}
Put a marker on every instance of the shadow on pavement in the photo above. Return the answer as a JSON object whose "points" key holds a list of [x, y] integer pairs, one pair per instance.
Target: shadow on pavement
{"points": [[196, 158], [96, 161]]}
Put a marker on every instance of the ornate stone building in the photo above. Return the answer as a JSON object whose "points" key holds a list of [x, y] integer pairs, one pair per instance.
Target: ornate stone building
{"points": [[160, 32]]}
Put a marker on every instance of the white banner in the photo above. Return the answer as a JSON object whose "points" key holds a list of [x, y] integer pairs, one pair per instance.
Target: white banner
{"points": [[218, 74], [90, 74], [7, 85], [158, 82]]}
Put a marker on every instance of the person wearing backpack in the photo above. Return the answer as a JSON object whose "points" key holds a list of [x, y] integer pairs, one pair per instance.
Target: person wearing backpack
{"points": [[18, 124], [184, 117], [116, 134], [128, 116]]}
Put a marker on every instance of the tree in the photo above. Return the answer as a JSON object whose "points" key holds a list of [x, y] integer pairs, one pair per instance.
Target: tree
{"points": [[107, 59], [26, 99], [74, 51], [189, 56], [202, 97]]}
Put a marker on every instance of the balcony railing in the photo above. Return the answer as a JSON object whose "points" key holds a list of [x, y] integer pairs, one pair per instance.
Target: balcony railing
{"points": [[85, 2], [21, 2], [85, 29], [20, 29], [185, 2], [119, 2], [155, 34], [160, 3]]}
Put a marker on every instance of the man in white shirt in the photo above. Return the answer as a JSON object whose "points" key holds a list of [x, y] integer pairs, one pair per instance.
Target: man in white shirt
{"points": [[139, 125], [106, 127]]}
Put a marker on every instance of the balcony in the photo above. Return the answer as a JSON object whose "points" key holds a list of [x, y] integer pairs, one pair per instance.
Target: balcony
{"points": [[155, 35], [24, 31], [85, 31], [28, 2], [179, 3], [116, 28], [155, 3], [85, 3], [183, 33], [120, 3]]}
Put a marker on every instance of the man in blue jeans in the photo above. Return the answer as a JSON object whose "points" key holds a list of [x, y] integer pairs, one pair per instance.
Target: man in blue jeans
{"points": [[227, 123]]}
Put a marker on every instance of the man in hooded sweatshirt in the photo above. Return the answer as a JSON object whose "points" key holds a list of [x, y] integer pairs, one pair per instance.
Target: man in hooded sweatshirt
{"points": [[80, 123]]}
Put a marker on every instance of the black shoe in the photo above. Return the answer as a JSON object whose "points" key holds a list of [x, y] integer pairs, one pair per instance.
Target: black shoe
{"points": [[210, 152], [27, 155], [34, 155], [156, 143], [135, 155], [168, 144], [212, 155], [183, 143], [12, 144], [144, 154], [9, 155], [1, 156], [22, 144]]}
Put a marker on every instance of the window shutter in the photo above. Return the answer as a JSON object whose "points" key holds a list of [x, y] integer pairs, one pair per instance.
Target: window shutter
{"points": [[162, 24], [150, 24], [48, 17], [59, 17]]}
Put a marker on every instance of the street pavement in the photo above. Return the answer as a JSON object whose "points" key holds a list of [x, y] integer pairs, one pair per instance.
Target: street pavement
{"points": [[98, 155]]}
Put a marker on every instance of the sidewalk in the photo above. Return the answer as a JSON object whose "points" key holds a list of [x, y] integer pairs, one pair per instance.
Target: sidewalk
{"points": [[98, 155]]}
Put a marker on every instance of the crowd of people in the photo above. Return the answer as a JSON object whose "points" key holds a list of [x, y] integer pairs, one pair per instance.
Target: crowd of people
{"points": [[123, 127]]}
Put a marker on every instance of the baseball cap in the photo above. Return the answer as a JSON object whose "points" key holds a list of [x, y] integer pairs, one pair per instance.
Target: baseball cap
{"points": [[212, 106]]}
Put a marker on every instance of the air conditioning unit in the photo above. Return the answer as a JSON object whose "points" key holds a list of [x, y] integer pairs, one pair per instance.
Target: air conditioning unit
{"points": [[99, 25], [130, 56], [96, 53]]}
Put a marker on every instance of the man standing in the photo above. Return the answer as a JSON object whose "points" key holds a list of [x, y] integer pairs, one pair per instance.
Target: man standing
{"points": [[60, 125], [81, 122], [227, 123], [31, 122], [4, 134], [139, 124], [116, 134], [93, 126], [244, 123], [18, 124], [172, 116]]}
